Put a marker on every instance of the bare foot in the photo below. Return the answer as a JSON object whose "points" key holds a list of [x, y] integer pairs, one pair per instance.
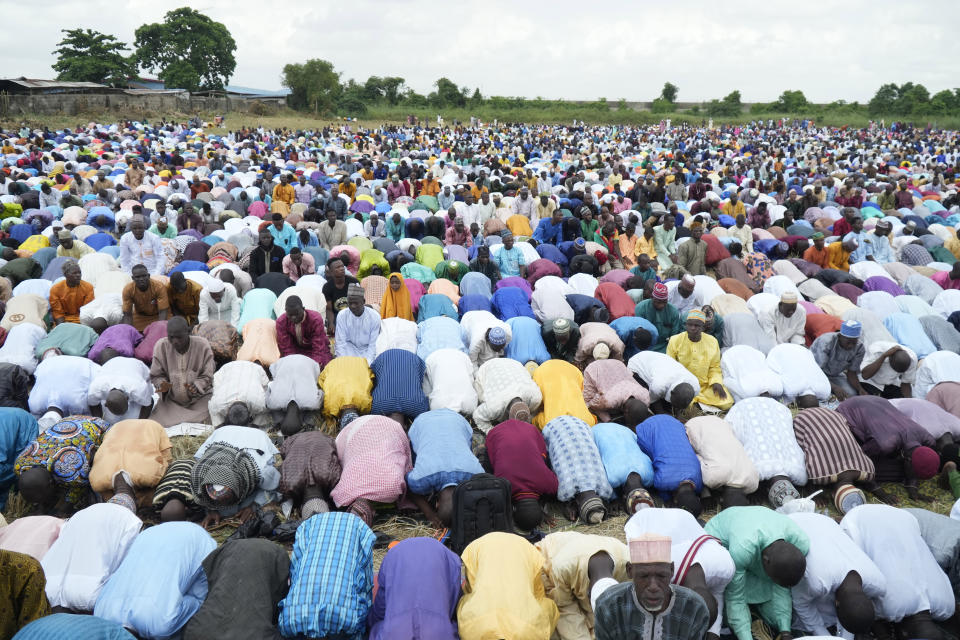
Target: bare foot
{"points": [[945, 474]]}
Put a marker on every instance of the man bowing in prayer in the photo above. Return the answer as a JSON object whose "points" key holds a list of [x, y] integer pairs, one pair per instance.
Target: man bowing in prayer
{"points": [[182, 373], [700, 354], [769, 552], [649, 606]]}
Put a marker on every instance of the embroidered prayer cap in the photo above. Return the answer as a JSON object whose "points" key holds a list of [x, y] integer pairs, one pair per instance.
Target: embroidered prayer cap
{"points": [[649, 548]]}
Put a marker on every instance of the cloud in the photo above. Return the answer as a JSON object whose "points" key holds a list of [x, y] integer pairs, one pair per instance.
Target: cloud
{"points": [[562, 49]]}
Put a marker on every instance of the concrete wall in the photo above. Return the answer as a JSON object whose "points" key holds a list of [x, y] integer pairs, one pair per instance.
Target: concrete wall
{"points": [[13, 105]]}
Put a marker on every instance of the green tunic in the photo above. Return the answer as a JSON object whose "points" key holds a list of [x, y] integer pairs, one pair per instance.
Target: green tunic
{"points": [[667, 322], [746, 532]]}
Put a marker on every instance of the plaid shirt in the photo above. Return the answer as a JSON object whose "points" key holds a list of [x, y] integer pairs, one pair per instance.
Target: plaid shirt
{"points": [[575, 458], [375, 454], [331, 578]]}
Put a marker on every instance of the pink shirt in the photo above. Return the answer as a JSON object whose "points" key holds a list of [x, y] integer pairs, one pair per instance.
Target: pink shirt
{"points": [[942, 278]]}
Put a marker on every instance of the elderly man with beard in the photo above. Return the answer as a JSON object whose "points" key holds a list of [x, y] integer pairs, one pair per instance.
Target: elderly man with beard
{"points": [[649, 606]]}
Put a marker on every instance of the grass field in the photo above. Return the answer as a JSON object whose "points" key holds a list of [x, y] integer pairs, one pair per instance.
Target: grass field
{"points": [[380, 115]]}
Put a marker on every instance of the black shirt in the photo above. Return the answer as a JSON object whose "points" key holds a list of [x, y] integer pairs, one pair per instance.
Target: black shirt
{"points": [[338, 295]]}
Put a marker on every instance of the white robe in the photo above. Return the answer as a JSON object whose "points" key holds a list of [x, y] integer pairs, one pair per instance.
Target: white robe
{"points": [[683, 529], [831, 557], [661, 373], [915, 582], [240, 381], [498, 382], [20, 346], [92, 544], [765, 428], [449, 381], [294, 380], [128, 375], [940, 366], [397, 333], [746, 374], [798, 372], [63, 382]]}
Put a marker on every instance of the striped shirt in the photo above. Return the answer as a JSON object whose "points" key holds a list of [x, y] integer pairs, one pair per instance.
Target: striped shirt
{"points": [[398, 384], [829, 446], [331, 578]]}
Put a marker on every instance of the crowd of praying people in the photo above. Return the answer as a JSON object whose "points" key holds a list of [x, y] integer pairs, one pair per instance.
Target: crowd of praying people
{"points": [[739, 338]]}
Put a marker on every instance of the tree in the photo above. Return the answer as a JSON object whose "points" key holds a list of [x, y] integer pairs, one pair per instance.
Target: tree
{"points": [[661, 105], [669, 92], [448, 94], [373, 89], [85, 55], [790, 102], [314, 85], [884, 101], [392, 88], [730, 106], [187, 38], [352, 100], [943, 102], [477, 98]]}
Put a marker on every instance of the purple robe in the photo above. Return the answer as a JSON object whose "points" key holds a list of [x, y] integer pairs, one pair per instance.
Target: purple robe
{"points": [[848, 291], [122, 338], [418, 588], [880, 283]]}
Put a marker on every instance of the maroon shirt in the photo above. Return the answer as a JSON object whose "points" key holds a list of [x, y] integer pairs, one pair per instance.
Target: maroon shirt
{"points": [[518, 453]]}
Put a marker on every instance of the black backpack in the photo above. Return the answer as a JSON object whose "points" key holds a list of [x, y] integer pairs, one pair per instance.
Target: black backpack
{"points": [[480, 505]]}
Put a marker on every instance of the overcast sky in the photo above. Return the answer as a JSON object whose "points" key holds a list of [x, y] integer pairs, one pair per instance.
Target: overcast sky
{"points": [[573, 49]]}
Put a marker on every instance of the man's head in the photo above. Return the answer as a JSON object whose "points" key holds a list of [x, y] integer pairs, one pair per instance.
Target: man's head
{"points": [[741, 220], [849, 335], [117, 402], [635, 411], [277, 221], [294, 309], [883, 228], [783, 563], [900, 361], [856, 224], [788, 303], [355, 299], [178, 282], [818, 240], [687, 284], [497, 338], [659, 296], [507, 240], [137, 227], [238, 414], [642, 339], [141, 277], [668, 222], [696, 320], [650, 568], [681, 396], [265, 239], [643, 260], [72, 273], [696, 231], [178, 334], [37, 486], [855, 610]]}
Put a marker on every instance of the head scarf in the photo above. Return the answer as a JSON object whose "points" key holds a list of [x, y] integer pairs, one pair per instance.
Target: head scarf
{"points": [[223, 466], [396, 304]]}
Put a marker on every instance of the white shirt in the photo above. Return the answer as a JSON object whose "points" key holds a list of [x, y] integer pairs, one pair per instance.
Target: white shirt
{"points": [[448, 381], [473, 328], [548, 303], [239, 381], [130, 376], [294, 380], [227, 310], [682, 304], [831, 557], [20, 346], [940, 366], [63, 382], [746, 374], [661, 373], [583, 283], [798, 372], [147, 251], [915, 582], [91, 546], [397, 333]]}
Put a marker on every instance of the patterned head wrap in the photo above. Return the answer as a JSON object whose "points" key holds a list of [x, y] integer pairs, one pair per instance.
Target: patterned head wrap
{"points": [[660, 291], [223, 467]]}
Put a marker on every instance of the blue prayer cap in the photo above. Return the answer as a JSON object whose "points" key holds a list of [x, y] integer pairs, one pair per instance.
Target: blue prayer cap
{"points": [[850, 329], [497, 337]]}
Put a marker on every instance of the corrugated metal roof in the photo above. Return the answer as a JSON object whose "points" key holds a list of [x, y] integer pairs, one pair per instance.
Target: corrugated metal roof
{"points": [[32, 83], [150, 92]]}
